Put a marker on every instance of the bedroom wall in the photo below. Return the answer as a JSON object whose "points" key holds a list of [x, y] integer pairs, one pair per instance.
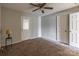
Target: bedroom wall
{"points": [[33, 26], [11, 19], [48, 27], [39, 27], [0, 26], [46, 32]]}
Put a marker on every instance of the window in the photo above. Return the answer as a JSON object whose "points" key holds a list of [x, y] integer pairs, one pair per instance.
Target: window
{"points": [[26, 24]]}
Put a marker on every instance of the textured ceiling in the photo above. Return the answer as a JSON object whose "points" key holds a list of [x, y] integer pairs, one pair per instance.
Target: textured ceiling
{"points": [[25, 7]]}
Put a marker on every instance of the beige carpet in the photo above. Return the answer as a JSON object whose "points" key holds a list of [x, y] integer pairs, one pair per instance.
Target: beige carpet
{"points": [[39, 47]]}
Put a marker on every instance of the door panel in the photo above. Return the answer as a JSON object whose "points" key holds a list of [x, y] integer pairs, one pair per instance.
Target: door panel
{"points": [[74, 35], [62, 28]]}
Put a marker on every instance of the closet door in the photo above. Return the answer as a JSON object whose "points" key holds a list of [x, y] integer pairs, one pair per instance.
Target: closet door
{"points": [[62, 28], [74, 29]]}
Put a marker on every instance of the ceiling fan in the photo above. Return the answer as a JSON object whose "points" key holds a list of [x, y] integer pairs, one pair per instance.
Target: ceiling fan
{"points": [[40, 6]]}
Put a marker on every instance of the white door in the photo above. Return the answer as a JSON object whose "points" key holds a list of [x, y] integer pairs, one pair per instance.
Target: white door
{"points": [[62, 28], [74, 29]]}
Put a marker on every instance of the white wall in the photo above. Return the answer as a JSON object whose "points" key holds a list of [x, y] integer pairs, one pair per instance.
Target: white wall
{"points": [[39, 27], [48, 27], [0, 26], [11, 19], [33, 26], [0, 17]]}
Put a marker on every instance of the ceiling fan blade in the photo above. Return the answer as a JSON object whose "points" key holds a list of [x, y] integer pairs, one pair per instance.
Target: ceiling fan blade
{"points": [[42, 11], [48, 8], [34, 5], [42, 5], [36, 9]]}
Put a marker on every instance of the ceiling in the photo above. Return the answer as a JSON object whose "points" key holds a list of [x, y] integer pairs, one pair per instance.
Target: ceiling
{"points": [[25, 7]]}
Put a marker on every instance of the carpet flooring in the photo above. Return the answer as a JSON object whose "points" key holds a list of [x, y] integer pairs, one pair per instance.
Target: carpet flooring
{"points": [[39, 47]]}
